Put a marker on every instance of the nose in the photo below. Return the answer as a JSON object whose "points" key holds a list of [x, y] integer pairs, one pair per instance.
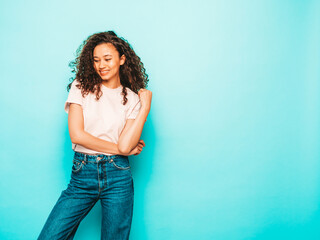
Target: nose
{"points": [[102, 64]]}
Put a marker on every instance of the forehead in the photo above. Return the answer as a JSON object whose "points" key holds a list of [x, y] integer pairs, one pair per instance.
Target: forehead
{"points": [[104, 49]]}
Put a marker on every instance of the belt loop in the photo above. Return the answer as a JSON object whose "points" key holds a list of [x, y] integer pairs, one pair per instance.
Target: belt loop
{"points": [[85, 157]]}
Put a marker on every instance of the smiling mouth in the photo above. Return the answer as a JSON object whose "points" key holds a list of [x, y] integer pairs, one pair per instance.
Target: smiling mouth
{"points": [[105, 72]]}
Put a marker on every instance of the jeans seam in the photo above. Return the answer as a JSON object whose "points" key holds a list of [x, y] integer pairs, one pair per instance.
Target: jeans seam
{"points": [[98, 176], [104, 171], [80, 167], [120, 167]]}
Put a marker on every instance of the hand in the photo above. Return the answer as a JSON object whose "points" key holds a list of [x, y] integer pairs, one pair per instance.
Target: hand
{"points": [[145, 98], [137, 149]]}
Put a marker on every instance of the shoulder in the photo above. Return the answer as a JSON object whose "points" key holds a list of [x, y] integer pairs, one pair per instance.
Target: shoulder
{"points": [[75, 84], [75, 89], [132, 96]]}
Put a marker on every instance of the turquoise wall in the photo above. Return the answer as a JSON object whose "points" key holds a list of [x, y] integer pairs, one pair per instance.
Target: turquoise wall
{"points": [[232, 139]]}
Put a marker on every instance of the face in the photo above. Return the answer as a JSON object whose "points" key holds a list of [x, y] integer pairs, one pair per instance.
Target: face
{"points": [[107, 61]]}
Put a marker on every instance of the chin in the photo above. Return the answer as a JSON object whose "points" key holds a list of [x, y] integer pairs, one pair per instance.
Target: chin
{"points": [[104, 78]]}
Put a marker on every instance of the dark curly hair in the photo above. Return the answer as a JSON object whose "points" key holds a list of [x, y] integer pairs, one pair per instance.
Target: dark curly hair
{"points": [[132, 72]]}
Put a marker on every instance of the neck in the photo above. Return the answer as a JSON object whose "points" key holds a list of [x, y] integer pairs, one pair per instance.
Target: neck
{"points": [[111, 83]]}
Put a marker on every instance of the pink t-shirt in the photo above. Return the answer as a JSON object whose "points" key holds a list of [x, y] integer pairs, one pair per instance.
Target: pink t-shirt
{"points": [[106, 117]]}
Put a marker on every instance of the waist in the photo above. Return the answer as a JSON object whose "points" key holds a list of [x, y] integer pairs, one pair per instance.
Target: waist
{"points": [[82, 149], [95, 157]]}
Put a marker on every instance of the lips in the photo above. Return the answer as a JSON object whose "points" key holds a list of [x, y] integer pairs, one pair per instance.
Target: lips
{"points": [[104, 72]]}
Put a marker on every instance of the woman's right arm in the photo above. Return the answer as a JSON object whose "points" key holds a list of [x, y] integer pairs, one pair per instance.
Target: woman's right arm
{"points": [[79, 136]]}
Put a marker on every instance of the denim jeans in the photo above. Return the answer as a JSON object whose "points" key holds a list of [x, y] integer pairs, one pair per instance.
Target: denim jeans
{"points": [[94, 177]]}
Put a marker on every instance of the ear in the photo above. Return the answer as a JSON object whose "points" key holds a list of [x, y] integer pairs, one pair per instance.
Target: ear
{"points": [[122, 59]]}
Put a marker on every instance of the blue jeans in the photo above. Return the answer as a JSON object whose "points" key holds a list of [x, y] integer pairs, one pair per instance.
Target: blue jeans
{"points": [[94, 177]]}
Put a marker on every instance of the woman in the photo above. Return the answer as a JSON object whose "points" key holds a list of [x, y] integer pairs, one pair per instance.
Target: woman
{"points": [[106, 114]]}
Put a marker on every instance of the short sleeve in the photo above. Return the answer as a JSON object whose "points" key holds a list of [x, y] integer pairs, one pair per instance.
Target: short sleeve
{"points": [[134, 108], [73, 97]]}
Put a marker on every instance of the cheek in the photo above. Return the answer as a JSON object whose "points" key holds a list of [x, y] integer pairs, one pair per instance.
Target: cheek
{"points": [[95, 67], [114, 65]]}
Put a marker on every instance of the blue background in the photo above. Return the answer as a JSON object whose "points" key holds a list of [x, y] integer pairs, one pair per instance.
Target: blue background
{"points": [[232, 139]]}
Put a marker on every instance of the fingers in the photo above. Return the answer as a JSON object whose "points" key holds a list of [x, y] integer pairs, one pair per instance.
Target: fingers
{"points": [[139, 147], [140, 91], [144, 90], [142, 142], [138, 152]]}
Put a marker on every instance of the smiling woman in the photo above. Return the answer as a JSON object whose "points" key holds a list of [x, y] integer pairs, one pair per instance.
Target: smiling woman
{"points": [[107, 106], [107, 62]]}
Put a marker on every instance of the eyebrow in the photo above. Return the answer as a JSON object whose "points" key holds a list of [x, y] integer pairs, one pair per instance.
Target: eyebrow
{"points": [[103, 55]]}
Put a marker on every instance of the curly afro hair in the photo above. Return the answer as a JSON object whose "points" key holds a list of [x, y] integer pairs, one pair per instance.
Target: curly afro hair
{"points": [[132, 72]]}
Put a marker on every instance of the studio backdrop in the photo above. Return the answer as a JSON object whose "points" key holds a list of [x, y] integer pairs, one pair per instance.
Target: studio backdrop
{"points": [[232, 139]]}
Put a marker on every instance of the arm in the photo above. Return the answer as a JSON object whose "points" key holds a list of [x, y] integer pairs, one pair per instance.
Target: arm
{"points": [[131, 133], [79, 136]]}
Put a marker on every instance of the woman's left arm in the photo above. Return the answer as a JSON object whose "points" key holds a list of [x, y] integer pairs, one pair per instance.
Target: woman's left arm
{"points": [[131, 133]]}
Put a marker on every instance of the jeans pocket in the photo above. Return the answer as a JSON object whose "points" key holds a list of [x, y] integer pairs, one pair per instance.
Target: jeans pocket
{"points": [[121, 163], [76, 165]]}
